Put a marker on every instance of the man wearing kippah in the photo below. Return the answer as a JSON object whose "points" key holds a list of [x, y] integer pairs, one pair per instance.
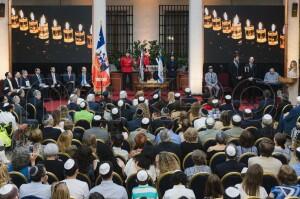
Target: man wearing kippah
{"points": [[143, 190], [83, 114], [107, 187]]}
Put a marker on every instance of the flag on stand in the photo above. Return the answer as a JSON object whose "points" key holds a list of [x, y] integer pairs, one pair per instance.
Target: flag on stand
{"points": [[142, 66], [100, 70], [160, 69]]}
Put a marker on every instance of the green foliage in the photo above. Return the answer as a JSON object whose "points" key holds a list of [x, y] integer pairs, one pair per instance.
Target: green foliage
{"points": [[137, 47], [154, 49]]}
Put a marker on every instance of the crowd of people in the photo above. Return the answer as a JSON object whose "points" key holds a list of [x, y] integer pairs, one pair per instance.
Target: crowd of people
{"points": [[95, 147]]}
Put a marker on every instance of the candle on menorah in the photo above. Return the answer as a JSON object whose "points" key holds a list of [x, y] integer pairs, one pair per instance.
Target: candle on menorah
{"points": [[14, 19], [33, 24], [282, 38], [68, 33], [23, 21], [207, 19], [80, 36], [249, 30], [273, 36], [226, 24], [44, 29], [236, 28], [261, 34], [56, 31], [89, 38], [216, 21]]}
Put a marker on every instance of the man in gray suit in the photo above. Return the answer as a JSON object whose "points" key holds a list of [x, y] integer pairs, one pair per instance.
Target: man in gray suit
{"points": [[211, 80]]}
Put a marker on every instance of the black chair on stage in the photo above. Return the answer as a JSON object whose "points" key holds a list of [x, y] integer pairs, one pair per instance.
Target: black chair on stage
{"points": [[17, 178], [231, 179], [269, 181], [198, 182], [164, 183]]}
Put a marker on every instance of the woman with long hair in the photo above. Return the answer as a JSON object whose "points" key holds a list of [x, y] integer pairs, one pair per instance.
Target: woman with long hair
{"points": [[64, 141], [213, 187], [166, 162], [280, 145], [60, 191], [251, 185], [4, 176]]}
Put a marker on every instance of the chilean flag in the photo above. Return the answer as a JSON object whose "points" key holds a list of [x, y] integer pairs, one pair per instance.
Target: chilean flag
{"points": [[100, 72]]}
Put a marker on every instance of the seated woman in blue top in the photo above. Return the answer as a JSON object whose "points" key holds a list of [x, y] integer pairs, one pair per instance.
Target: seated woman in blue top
{"points": [[21, 159], [288, 184]]}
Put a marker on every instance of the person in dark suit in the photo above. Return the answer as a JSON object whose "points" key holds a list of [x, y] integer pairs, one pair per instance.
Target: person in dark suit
{"points": [[249, 74], [136, 122], [8, 88], [263, 103], [49, 132], [37, 101], [188, 98], [284, 100], [248, 120], [19, 110], [117, 124], [25, 82], [231, 164], [16, 81], [227, 106], [235, 70], [53, 80], [167, 145], [92, 104], [69, 80], [73, 103], [37, 80], [161, 121], [123, 96], [172, 72]]}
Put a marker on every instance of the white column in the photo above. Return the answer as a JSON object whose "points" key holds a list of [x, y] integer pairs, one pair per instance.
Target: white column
{"points": [[196, 50], [293, 46], [99, 17], [4, 41], [145, 20]]}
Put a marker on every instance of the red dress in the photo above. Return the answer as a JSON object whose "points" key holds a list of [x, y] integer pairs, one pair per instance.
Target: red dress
{"points": [[126, 64]]}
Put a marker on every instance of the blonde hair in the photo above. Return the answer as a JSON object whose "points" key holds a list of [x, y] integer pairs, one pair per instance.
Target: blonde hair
{"points": [[63, 111], [167, 162], [64, 141], [191, 135], [4, 175], [60, 191], [139, 94]]}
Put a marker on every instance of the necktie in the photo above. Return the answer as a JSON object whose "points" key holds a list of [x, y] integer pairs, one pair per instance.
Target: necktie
{"points": [[17, 81], [10, 85], [211, 78], [54, 78]]}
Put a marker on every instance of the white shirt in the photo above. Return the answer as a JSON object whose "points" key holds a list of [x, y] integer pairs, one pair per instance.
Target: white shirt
{"points": [[54, 78], [110, 190], [178, 191], [262, 192], [35, 189], [7, 117], [200, 123], [78, 189]]}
